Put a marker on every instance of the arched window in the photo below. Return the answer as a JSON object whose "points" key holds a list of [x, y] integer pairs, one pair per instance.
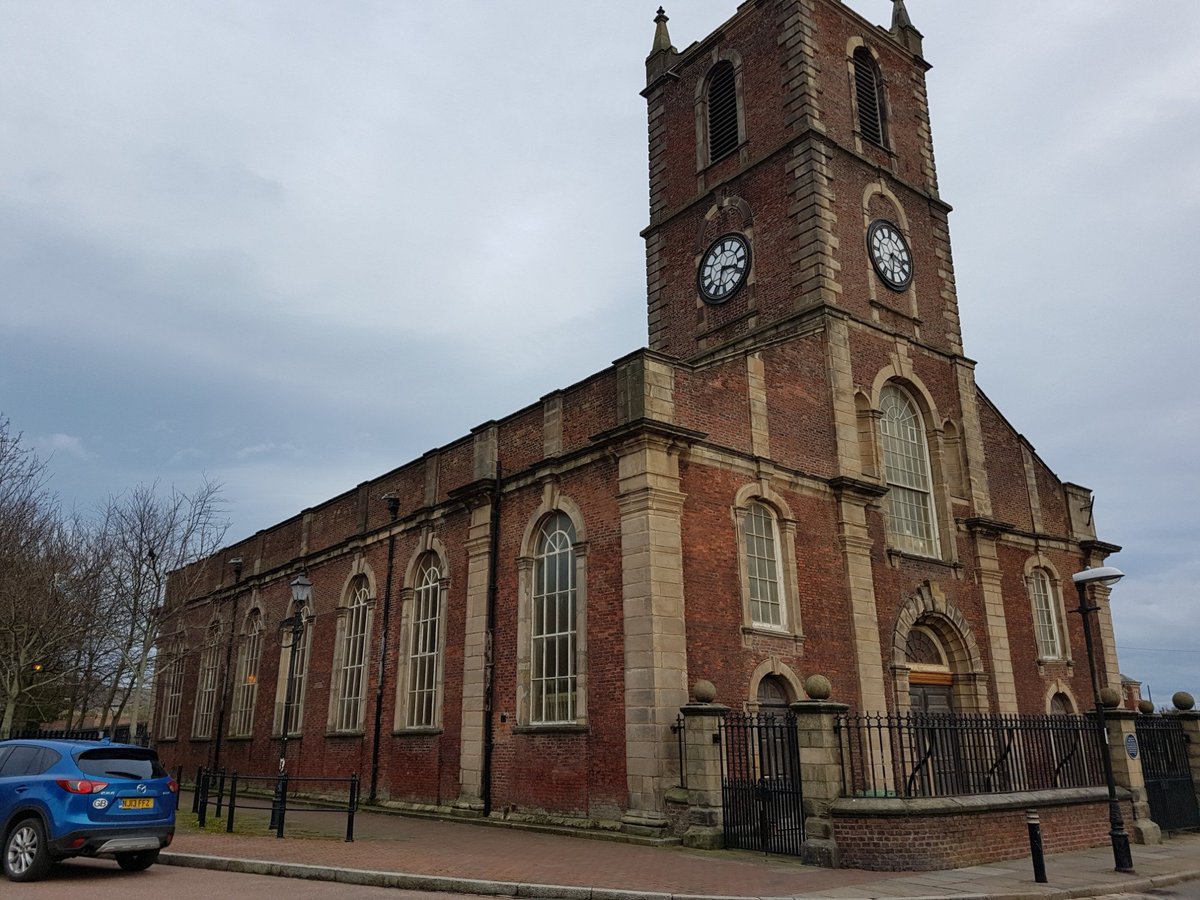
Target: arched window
{"points": [[868, 95], [910, 511], [206, 683], [762, 566], [1046, 625], [553, 679], [350, 665], [246, 685], [171, 680], [293, 667], [723, 135], [424, 646]]}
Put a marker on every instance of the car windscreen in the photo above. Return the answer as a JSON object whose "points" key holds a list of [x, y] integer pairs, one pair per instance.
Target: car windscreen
{"points": [[121, 762]]}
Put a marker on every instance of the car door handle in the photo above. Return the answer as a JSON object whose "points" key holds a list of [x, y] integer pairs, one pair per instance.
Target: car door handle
{"points": [[22, 789]]}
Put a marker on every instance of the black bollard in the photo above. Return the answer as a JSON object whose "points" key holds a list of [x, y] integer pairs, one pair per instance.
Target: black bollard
{"points": [[232, 802], [1035, 846]]}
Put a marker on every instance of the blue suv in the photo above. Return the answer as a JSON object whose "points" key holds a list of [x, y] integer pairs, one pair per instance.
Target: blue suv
{"points": [[82, 798]]}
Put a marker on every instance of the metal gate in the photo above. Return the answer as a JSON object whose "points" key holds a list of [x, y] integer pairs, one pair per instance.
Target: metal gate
{"points": [[760, 783], [1168, 776]]}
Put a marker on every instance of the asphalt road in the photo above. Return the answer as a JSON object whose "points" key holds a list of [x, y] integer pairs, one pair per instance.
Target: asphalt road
{"points": [[99, 879]]}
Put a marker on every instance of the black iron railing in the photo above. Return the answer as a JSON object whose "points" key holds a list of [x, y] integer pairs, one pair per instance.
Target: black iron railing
{"points": [[216, 786], [950, 754]]}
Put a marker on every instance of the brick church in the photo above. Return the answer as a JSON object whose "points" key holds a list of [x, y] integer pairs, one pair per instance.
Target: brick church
{"points": [[798, 476]]}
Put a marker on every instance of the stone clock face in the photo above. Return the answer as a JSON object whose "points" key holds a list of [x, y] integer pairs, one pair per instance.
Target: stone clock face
{"points": [[723, 268], [890, 254]]}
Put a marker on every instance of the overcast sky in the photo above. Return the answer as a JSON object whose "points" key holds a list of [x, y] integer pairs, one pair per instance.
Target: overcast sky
{"points": [[295, 244]]}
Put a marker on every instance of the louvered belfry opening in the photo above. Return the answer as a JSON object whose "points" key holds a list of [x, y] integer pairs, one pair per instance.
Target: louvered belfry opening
{"points": [[866, 89], [722, 112]]}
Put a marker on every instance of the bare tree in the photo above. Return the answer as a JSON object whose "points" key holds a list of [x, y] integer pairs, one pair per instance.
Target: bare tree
{"points": [[147, 534], [38, 619]]}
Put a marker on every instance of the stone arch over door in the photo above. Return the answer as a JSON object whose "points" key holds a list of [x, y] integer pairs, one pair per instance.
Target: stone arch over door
{"points": [[928, 608]]}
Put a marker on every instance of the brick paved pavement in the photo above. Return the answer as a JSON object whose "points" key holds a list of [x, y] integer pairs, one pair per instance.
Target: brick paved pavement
{"points": [[433, 854]]}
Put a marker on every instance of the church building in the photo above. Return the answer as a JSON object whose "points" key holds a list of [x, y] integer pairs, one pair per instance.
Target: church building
{"points": [[798, 476]]}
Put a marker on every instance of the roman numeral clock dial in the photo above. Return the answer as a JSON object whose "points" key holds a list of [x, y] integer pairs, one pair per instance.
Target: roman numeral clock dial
{"points": [[723, 268], [890, 254]]}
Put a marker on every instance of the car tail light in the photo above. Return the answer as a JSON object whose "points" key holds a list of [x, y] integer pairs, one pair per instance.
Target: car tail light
{"points": [[76, 843], [173, 786], [81, 785]]}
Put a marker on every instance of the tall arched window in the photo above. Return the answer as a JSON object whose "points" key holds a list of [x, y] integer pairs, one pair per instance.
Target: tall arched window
{"points": [[206, 683], [246, 685], [868, 95], [912, 525], [171, 691], [1046, 625], [293, 667], [723, 135], [350, 666], [424, 646], [762, 566], [553, 679]]}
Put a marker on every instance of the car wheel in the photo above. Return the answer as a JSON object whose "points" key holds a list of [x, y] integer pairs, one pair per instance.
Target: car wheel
{"points": [[137, 862], [26, 856]]}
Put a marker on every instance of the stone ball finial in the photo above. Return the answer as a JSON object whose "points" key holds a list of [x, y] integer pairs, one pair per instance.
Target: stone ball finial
{"points": [[817, 687], [704, 691], [1146, 707], [1183, 701], [1110, 697]]}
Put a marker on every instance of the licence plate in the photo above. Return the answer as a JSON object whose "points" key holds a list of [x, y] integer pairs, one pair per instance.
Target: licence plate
{"points": [[137, 803]]}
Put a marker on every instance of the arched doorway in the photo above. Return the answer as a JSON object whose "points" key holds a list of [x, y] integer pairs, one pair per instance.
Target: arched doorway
{"points": [[930, 680]]}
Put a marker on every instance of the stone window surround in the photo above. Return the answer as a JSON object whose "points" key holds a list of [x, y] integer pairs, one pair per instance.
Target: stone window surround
{"points": [[785, 526], [210, 660], [853, 44], [359, 570], [430, 548], [172, 690], [703, 157], [552, 502], [296, 724], [1057, 605], [249, 653]]}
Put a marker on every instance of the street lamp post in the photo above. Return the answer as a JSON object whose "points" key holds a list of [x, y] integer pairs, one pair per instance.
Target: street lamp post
{"points": [[301, 594], [1104, 575]]}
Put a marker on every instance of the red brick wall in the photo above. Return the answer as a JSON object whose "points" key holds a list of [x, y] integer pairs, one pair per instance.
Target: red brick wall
{"points": [[927, 842]]}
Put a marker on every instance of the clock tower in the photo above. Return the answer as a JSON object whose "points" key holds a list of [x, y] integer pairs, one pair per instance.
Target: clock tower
{"points": [[797, 234], [791, 176]]}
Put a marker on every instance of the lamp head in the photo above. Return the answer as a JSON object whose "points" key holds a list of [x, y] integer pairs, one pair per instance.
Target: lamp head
{"points": [[301, 589], [1105, 575]]}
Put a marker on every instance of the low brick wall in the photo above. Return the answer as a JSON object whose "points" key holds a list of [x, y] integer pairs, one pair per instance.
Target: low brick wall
{"points": [[893, 834]]}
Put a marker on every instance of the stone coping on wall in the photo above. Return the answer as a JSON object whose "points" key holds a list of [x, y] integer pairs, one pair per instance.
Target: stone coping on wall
{"points": [[948, 806]]}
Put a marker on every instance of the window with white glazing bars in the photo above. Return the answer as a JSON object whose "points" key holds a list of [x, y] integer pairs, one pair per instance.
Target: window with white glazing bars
{"points": [[423, 650], [911, 521], [1045, 621], [554, 671], [762, 564], [293, 673], [352, 677], [172, 693], [246, 684], [206, 685]]}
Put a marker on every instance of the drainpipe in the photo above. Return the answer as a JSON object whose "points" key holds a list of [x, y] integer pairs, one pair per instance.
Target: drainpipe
{"points": [[489, 681], [393, 505], [236, 562]]}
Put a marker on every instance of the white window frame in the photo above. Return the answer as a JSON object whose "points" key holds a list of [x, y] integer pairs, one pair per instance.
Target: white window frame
{"points": [[299, 675], [759, 496], [1047, 625], [245, 690], [206, 685], [912, 522], [764, 568], [553, 645], [351, 665], [422, 700], [172, 695]]}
